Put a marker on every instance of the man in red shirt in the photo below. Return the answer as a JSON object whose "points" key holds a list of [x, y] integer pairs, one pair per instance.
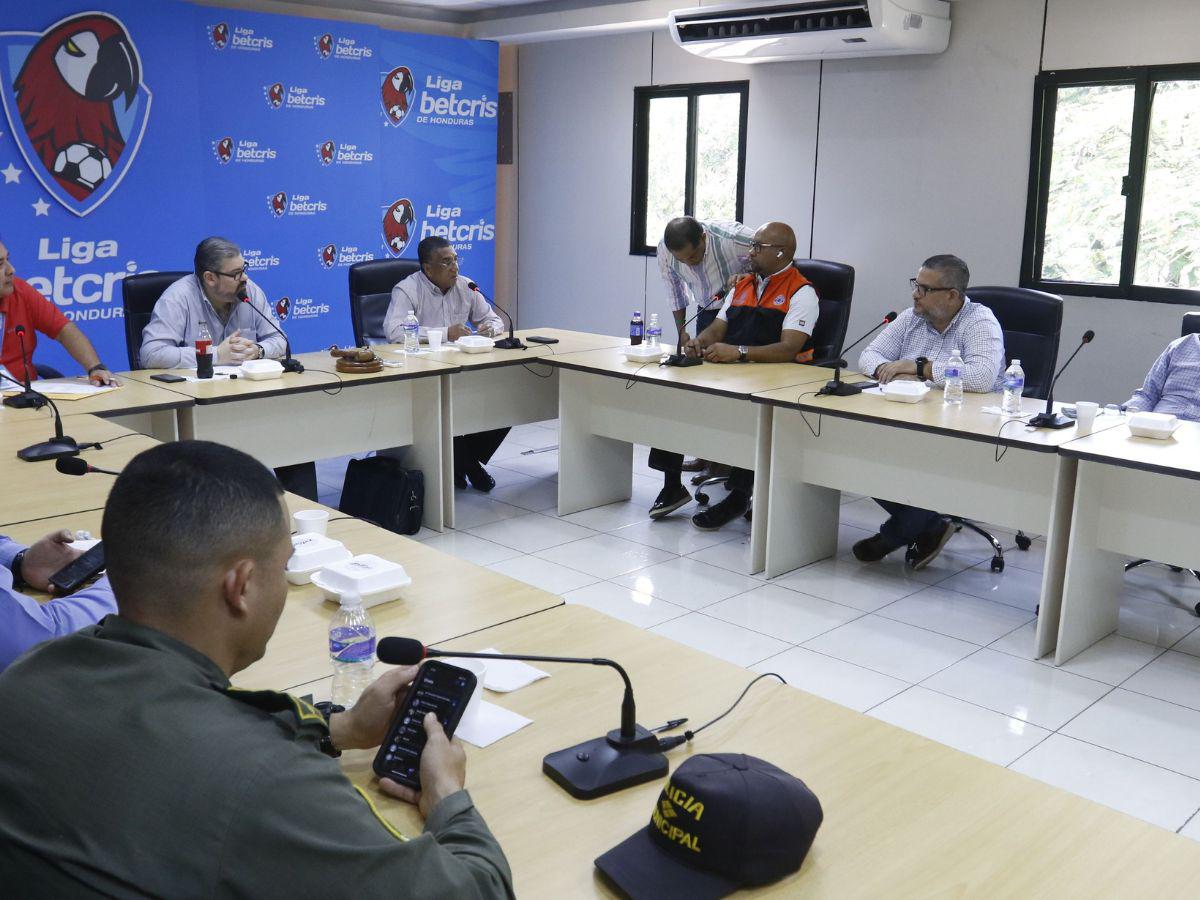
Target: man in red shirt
{"points": [[21, 305]]}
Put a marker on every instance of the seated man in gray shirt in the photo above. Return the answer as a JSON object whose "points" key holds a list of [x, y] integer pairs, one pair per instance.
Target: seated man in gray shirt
{"points": [[210, 300], [442, 298]]}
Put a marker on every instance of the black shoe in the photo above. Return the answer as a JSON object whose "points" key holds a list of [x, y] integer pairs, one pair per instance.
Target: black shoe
{"points": [[460, 481], [668, 500], [928, 545], [479, 478], [872, 549], [722, 513]]}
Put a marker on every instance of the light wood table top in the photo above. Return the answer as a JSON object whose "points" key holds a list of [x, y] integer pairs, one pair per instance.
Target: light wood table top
{"points": [[726, 379], [131, 397], [905, 817], [319, 375], [568, 342], [35, 490], [448, 597], [1178, 455]]}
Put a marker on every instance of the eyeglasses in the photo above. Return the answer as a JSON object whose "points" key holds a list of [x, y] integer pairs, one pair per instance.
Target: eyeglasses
{"points": [[759, 246], [448, 262], [922, 289], [236, 275]]}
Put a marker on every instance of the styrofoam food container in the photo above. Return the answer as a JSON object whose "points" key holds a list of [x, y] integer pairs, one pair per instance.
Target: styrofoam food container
{"points": [[642, 352], [475, 343], [1159, 426], [261, 369], [374, 579], [311, 552], [905, 391]]}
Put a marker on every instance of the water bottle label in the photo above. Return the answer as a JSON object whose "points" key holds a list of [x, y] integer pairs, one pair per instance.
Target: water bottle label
{"points": [[1013, 383], [953, 373], [351, 645]]}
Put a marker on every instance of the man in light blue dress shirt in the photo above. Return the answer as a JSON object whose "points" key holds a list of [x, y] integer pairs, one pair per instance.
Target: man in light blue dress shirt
{"points": [[1173, 382]]}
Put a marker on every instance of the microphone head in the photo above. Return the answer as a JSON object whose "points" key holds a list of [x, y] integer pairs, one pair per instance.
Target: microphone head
{"points": [[1088, 335], [242, 295], [398, 651], [71, 465], [473, 286], [19, 329], [890, 317]]}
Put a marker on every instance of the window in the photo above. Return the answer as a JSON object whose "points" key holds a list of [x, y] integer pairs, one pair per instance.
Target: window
{"points": [[689, 156], [1114, 184]]}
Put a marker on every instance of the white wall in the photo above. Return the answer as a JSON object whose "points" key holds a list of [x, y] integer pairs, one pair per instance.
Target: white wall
{"points": [[917, 156]]}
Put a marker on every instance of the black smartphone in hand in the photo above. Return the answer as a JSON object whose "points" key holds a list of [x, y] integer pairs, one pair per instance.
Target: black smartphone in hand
{"points": [[82, 568]]}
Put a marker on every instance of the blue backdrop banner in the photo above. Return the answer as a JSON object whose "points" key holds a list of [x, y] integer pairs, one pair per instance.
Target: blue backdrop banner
{"points": [[131, 132]]}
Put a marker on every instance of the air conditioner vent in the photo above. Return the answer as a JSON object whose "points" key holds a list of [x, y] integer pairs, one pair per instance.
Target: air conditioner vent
{"points": [[775, 21]]}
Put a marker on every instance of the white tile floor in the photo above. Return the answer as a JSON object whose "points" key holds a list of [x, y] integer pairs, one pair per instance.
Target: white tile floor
{"points": [[946, 652]]}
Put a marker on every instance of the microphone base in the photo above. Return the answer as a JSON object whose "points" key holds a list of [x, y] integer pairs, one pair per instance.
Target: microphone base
{"points": [[606, 764], [509, 343], [25, 400], [844, 389], [1051, 420], [682, 360], [51, 449], [291, 364]]}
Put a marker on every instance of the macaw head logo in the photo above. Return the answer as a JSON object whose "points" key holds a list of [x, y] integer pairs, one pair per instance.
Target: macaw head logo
{"points": [[283, 306], [76, 105], [279, 204], [325, 46], [326, 153], [396, 94], [224, 149], [274, 94], [219, 35], [397, 226], [329, 255]]}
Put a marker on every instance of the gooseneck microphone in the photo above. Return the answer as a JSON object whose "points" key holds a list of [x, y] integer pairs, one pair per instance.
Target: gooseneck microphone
{"points": [[28, 398], [1048, 418], [289, 362], [512, 342], [679, 358], [58, 446], [624, 757], [73, 465], [839, 388]]}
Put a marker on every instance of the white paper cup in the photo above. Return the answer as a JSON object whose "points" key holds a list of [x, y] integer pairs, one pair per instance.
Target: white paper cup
{"points": [[1085, 415], [311, 521], [479, 667], [434, 336]]}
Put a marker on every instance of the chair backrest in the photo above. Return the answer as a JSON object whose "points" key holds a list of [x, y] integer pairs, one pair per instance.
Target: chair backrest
{"points": [[1031, 322], [371, 286], [139, 293], [1191, 323], [834, 284]]}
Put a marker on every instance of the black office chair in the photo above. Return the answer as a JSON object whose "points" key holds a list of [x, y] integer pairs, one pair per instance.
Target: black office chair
{"points": [[139, 293], [1191, 325], [371, 286], [1031, 322], [44, 371], [834, 284]]}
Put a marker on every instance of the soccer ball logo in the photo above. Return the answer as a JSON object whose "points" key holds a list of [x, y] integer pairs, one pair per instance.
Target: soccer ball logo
{"points": [[275, 95], [219, 36], [279, 204], [224, 150], [83, 164], [397, 226], [325, 152], [325, 46], [329, 255], [396, 94], [283, 306]]}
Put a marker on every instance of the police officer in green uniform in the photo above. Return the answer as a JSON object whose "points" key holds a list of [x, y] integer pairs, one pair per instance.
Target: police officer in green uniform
{"points": [[131, 768]]}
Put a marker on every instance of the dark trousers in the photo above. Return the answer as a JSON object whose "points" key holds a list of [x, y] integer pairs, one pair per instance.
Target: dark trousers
{"points": [[905, 523], [672, 464], [477, 448]]}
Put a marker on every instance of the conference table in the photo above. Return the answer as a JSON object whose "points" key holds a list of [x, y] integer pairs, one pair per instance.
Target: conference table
{"points": [[1134, 497], [607, 404], [958, 460], [147, 407]]}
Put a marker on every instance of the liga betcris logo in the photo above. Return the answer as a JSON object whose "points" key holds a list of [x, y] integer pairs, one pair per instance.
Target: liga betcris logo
{"points": [[279, 205], [396, 94], [223, 149], [329, 256], [218, 35], [76, 105], [274, 94], [398, 226], [325, 45], [283, 306], [325, 153]]}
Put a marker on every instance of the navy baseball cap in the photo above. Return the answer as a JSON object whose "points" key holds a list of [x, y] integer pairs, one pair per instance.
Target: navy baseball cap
{"points": [[724, 821]]}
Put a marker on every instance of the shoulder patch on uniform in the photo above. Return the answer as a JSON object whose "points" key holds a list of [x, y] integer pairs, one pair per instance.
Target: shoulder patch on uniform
{"points": [[392, 829], [778, 301]]}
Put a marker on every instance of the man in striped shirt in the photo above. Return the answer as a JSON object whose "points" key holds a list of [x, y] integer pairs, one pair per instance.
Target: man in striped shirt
{"points": [[698, 262]]}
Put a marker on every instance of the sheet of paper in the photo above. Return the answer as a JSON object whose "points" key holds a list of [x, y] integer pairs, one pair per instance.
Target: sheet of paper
{"points": [[505, 675], [64, 390], [490, 723]]}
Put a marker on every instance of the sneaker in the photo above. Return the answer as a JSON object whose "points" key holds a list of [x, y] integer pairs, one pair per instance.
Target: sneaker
{"points": [[722, 513], [668, 500], [928, 545], [694, 465], [479, 478], [872, 549]]}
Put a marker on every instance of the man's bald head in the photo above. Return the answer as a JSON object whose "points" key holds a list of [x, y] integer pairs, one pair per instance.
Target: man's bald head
{"points": [[773, 248]]}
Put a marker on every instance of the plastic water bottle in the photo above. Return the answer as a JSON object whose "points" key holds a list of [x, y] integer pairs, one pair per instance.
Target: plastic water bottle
{"points": [[352, 650], [952, 389], [654, 331], [1014, 387], [635, 328], [412, 334]]}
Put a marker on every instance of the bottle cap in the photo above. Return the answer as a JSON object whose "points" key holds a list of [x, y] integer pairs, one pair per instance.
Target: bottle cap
{"points": [[350, 599], [1016, 362]]}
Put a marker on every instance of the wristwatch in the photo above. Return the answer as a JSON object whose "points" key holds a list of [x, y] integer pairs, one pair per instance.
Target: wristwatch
{"points": [[743, 353], [96, 368], [327, 709], [922, 361], [18, 580]]}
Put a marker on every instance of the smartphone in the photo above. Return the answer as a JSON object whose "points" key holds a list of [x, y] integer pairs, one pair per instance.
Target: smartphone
{"points": [[439, 688], [168, 377], [535, 339], [84, 567]]}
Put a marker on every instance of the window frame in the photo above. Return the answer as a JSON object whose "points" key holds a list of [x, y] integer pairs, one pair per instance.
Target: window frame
{"points": [[1045, 98], [639, 245]]}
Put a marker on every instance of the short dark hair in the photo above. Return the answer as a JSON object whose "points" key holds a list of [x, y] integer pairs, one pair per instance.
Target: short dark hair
{"points": [[179, 509], [682, 233], [211, 251], [953, 270], [430, 246]]}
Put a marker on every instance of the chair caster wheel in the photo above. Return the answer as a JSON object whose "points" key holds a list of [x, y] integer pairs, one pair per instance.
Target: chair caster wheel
{"points": [[749, 513], [702, 498], [997, 564], [1024, 542], [1198, 609]]}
